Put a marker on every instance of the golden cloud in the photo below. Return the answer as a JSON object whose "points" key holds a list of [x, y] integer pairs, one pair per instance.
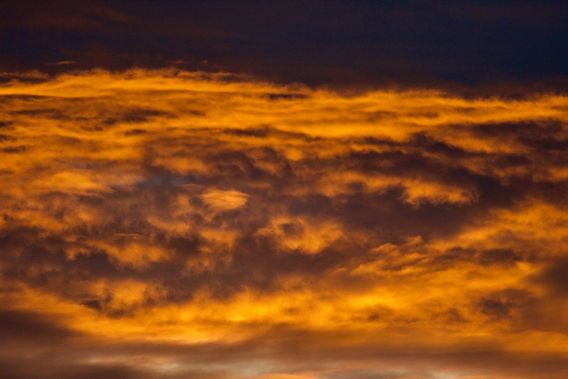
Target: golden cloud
{"points": [[322, 234]]}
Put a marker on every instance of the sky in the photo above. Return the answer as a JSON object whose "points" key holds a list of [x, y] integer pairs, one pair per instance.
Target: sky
{"points": [[283, 190]]}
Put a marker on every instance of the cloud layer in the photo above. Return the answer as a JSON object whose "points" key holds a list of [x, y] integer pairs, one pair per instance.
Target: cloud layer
{"points": [[171, 224]]}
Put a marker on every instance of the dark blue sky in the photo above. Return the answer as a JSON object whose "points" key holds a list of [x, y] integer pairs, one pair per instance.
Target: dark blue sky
{"points": [[315, 42]]}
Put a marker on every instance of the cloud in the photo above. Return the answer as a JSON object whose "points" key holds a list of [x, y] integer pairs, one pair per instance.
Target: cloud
{"points": [[224, 200], [31, 326], [162, 223]]}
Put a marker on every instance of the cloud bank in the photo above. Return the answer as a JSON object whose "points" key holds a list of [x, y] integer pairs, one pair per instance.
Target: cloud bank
{"points": [[172, 224]]}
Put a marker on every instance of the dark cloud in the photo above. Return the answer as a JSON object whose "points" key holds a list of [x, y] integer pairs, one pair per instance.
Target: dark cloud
{"points": [[29, 326], [40, 369], [501, 305], [498, 257], [555, 276]]}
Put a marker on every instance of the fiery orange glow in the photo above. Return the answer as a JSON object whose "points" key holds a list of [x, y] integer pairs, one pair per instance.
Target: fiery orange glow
{"points": [[194, 225]]}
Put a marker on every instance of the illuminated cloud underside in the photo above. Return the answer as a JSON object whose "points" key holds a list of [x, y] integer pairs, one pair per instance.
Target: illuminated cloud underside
{"points": [[161, 224]]}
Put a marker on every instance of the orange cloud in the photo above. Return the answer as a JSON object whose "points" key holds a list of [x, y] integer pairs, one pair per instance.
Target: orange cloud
{"points": [[224, 200], [183, 218]]}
